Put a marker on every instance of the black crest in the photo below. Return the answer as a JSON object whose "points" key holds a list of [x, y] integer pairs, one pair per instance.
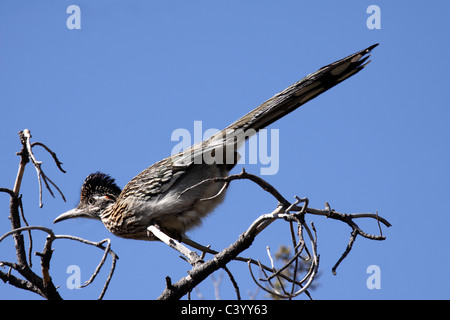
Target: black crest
{"points": [[99, 184]]}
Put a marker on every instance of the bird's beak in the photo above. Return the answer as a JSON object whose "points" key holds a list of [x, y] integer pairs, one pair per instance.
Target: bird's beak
{"points": [[74, 213]]}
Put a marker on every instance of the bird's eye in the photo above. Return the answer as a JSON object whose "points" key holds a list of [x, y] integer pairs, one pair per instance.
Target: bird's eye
{"points": [[91, 201]]}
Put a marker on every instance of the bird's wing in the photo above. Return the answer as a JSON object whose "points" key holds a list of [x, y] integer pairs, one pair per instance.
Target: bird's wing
{"points": [[154, 180]]}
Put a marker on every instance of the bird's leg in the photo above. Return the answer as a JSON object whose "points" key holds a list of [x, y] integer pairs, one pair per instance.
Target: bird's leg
{"points": [[191, 256]]}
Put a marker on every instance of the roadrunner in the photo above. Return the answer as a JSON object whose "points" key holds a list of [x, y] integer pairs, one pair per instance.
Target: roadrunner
{"points": [[177, 192]]}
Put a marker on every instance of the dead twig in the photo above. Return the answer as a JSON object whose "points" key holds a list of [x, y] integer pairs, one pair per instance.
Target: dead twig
{"points": [[294, 213], [25, 138], [46, 254], [106, 250], [32, 282]]}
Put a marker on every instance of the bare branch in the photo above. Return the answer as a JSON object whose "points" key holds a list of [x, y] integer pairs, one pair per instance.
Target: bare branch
{"points": [[102, 261], [25, 138], [233, 281], [207, 249], [192, 256], [18, 230], [19, 283], [349, 247], [291, 212], [32, 282], [58, 163], [107, 250]]}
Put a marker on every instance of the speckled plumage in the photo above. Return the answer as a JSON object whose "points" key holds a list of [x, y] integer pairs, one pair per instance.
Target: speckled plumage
{"points": [[169, 193]]}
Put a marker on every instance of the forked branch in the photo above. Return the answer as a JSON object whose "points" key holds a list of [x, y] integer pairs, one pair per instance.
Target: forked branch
{"points": [[275, 282], [31, 281], [27, 154]]}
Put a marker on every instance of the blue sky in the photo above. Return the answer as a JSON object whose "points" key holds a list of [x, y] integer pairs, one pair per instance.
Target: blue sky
{"points": [[108, 97]]}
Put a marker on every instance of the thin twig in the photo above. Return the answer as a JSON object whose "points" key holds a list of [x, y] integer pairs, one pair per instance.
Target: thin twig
{"points": [[233, 281], [353, 235], [58, 163], [290, 212], [107, 250], [207, 249], [45, 255], [100, 265], [14, 231], [225, 185], [32, 282], [37, 165]]}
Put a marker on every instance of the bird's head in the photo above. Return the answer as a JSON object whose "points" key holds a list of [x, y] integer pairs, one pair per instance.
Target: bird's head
{"points": [[98, 193]]}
